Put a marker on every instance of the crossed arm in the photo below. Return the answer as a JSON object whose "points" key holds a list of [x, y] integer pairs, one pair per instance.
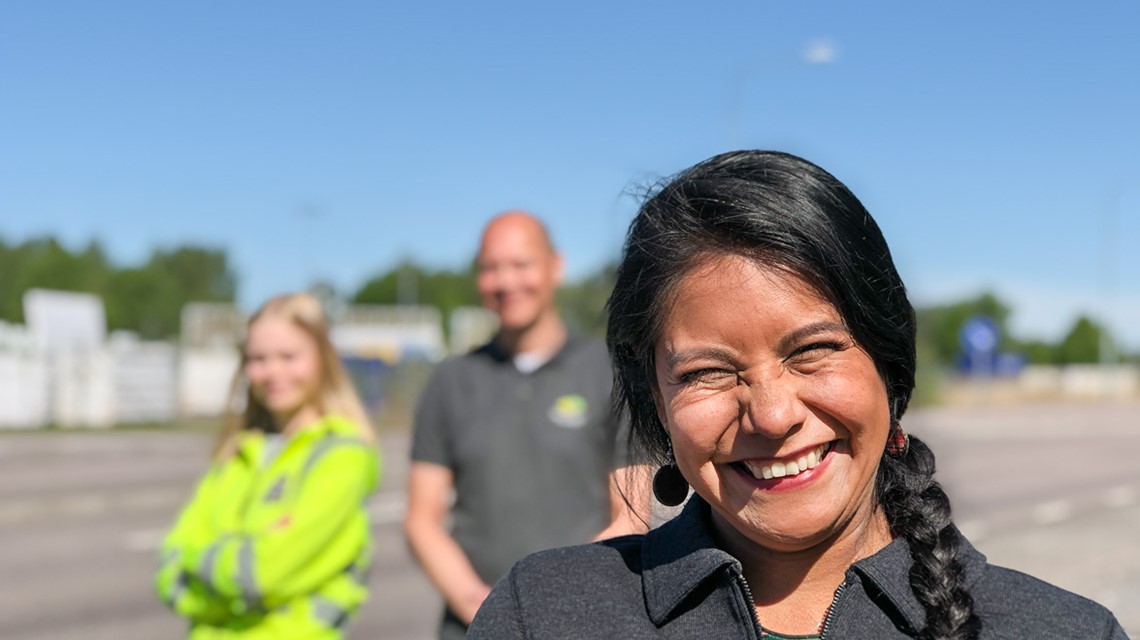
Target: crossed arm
{"points": [[210, 575]]}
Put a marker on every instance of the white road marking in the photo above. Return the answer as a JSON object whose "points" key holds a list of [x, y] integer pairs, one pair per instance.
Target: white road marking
{"points": [[1121, 496], [150, 498], [1052, 512], [144, 540], [84, 505], [18, 512]]}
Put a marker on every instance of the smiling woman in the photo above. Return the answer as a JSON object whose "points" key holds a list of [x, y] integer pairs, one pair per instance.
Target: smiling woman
{"points": [[776, 415], [764, 345], [276, 542]]}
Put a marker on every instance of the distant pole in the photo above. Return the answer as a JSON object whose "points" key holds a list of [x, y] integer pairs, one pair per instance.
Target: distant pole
{"points": [[407, 286], [310, 216], [1110, 244]]}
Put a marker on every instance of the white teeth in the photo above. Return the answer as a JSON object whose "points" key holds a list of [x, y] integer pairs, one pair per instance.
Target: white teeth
{"points": [[788, 468]]}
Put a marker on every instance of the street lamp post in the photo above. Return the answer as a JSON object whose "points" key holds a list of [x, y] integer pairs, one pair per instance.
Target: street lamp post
{"points": [[1111, 229]]}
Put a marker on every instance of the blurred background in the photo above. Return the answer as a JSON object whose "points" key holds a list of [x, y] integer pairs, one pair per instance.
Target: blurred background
{"points": [[164, 168]]}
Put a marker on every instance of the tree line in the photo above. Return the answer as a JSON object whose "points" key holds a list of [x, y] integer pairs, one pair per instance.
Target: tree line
{"points": [[939, 328], [583, 303], [148, 298], [145, 298]]}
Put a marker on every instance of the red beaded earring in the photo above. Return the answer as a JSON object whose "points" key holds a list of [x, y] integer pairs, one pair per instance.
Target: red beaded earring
{"points": [[898, 441]]}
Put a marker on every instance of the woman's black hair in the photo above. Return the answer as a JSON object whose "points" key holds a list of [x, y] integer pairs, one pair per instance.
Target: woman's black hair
{"points": [[785, 212]]}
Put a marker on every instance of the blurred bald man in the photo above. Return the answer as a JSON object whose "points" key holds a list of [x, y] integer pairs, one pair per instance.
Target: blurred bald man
{"points": [[521, 430]]}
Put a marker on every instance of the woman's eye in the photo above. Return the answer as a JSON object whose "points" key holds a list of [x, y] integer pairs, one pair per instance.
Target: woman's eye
{"points": [[705, 376], [815, 350]]}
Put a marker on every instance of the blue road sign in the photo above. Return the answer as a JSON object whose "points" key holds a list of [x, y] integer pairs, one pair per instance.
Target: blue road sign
{"points": [[979, 337]]}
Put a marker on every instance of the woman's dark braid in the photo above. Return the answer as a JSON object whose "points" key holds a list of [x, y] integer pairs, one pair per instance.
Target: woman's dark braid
{"points": [[918, 510]]}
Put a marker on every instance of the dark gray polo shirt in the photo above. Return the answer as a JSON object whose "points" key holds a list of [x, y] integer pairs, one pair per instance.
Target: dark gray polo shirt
{"points": [[531, 453]]}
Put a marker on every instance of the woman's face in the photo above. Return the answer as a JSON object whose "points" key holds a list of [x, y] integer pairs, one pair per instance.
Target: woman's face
{"points": [[778, 418], [282, 363]]}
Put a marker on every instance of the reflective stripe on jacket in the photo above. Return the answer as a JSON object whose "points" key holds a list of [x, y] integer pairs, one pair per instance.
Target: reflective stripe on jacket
{"points": [[275, 549]]}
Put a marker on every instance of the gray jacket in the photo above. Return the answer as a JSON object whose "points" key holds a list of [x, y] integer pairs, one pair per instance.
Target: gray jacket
{"points": [[675, 583]]}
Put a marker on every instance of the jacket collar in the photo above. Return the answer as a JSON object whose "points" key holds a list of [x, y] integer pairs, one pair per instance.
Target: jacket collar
{"points": [[889, 571], [681, 554], [677, 558], [253, 441]]}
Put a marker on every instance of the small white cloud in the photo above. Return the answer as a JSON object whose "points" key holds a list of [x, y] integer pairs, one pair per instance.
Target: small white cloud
{"points": [[821, 51]]}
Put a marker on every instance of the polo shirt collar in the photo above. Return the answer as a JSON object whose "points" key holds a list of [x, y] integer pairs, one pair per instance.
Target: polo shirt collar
{"points": [[680, 555], [498, 355]]}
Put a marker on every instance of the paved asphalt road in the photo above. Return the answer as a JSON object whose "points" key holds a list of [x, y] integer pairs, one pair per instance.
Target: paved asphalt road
{"points": [[1052, 490]]}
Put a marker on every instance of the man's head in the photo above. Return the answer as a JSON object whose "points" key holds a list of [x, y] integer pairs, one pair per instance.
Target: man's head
{"points": [[518, 270]]}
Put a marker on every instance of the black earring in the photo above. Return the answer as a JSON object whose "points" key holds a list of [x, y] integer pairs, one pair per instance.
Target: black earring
{"points": [[669, 486]]}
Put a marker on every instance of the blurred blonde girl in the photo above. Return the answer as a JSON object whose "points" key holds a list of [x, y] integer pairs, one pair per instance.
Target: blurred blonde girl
{"points": [[275, 542]]}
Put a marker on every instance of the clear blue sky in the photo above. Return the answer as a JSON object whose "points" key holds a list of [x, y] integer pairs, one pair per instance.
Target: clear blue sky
{"points": [[998, 144]]}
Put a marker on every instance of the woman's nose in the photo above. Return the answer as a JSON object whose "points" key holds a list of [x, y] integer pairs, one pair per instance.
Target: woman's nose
{"points": [[772, 407]]}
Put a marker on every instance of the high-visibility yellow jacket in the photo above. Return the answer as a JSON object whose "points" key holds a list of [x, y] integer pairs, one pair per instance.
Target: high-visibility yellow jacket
{"points": [[275, 549]]}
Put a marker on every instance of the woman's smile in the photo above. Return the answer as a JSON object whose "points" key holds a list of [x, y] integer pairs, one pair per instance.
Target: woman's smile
{"points": [[787, 473]]}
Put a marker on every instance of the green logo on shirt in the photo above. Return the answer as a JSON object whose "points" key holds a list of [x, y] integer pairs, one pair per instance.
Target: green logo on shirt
{"points": [[570, 411]]}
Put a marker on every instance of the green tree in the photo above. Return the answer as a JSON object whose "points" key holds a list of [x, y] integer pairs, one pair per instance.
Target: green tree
{"points": [[939, 326], [147, 299], [46, 264], [408, 282], [583, 302], [201, 274], [1037, 351], [144, 300], [9, 298], [1082, 344]]}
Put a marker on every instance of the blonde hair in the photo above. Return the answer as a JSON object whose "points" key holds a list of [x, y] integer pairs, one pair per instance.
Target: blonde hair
{"points": [[336, 394]]}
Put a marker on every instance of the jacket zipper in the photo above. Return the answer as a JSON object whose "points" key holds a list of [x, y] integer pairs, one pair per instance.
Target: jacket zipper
{"points": [[831, 610], [751, 606], [749, 603]]}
